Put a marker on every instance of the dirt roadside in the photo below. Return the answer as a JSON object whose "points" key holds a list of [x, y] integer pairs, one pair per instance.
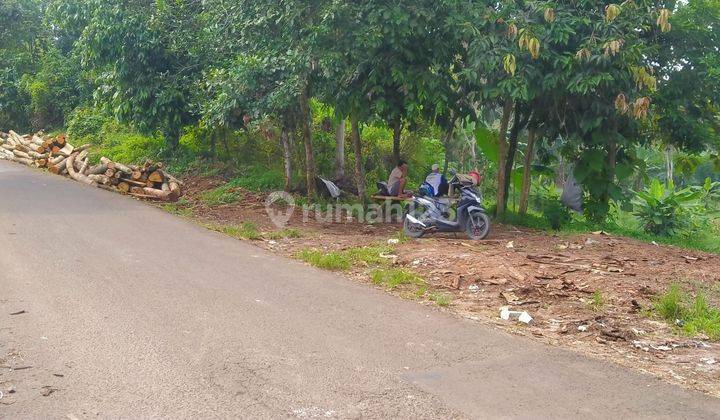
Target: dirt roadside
{"points": [[589, 292]]}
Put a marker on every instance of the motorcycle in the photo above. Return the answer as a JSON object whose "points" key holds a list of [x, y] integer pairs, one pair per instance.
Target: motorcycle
{"points": [[426, 214]]}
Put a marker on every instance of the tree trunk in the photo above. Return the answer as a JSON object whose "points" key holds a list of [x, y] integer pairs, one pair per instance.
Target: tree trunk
{"points": [[340, 150], [502, 154], [307, 140], [357, 147], [397, 131], [669, 164], [287, 158], [520, 121], [213, 146], [473, 151], [527, 171], [446, 145]]}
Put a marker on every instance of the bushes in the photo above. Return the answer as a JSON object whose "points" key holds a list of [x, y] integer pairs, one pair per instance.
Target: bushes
{"points": [[112, 139], [664, 210], [554, 211]]}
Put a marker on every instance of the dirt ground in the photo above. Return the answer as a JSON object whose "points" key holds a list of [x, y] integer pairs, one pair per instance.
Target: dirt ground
{"points": [[588, 292]]}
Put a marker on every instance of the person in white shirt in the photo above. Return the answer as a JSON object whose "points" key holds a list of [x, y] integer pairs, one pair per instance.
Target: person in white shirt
{"points": [[437, 181]]}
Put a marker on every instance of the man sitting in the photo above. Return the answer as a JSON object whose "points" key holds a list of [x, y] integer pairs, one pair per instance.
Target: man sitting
{"points": [[437, 182], [398, 179]]}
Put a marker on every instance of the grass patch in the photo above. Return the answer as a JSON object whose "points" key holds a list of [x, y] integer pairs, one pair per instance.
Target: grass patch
{"points": [[257, 178], [246, 230], [394, 277], [180, 208], [692, 315], [441, 299], [625, 224], [598, 301], [283, 234], [224, 194], [369, 255], [334, 261]]}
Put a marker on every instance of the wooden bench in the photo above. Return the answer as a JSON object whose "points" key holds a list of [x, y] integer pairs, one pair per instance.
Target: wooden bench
{"points": [[389, 198]]}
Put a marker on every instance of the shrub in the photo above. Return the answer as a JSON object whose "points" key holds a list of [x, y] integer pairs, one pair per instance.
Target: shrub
{"points": [[554, 211], [664, 210]]}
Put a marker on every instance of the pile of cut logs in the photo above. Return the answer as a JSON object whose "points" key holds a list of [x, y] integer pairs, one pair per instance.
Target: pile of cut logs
{"points": [[60, 157]]}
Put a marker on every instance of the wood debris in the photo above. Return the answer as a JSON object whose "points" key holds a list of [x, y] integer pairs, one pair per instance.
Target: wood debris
{"points": [[147, 181]]}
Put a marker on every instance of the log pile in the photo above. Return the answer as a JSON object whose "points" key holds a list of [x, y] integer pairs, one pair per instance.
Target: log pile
{"points": [[147, 181]]}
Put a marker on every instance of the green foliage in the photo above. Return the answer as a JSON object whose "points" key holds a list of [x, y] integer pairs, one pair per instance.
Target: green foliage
{"points": [[664, 210], [258, 178], [394, 277], [693, 315], [552, 209], [326, 260], [225, 194]]}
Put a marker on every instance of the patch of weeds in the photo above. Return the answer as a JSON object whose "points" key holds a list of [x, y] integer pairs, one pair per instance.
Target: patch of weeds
{"points": [[669, 305], [369, 255], [693, 315], [288, 233], [394, 277], [178, 209], [224, 194], [598, 301], [402, 237], [441, 299], [420, 292], [329, 261], [246, 230]]}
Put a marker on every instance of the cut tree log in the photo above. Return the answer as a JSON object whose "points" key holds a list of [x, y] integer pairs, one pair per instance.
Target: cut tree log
{"points": [[21, 155], [123, 187], [60, 157], [75, 175], [98, 169], [156, 176]]}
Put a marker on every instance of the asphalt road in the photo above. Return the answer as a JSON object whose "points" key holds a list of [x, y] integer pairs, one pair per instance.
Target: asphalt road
{"points": [[146, 315]]}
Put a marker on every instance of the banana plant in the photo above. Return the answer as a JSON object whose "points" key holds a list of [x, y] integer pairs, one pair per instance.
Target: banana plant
{"points": [[664, 210]]}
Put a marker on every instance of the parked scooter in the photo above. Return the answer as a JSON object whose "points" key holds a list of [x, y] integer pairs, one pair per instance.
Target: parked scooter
{"points": [[427, 215]]}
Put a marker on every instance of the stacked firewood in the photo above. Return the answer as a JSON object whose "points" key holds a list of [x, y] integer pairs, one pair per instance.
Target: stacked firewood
{"points": [[60, 157]]}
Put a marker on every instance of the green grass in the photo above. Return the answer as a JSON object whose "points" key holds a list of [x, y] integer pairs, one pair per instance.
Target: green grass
{"points": [[224, 194], [181, 208], [394, 277], [245, 230], [334, 261], [598, 301], [288, 233], [369, 255], [441, 299], [625, 224], [692, 315], [257, 178]]}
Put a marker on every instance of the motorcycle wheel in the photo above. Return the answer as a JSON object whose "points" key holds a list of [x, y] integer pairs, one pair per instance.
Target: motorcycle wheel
{"points": [[477, 226], [411, 229]]}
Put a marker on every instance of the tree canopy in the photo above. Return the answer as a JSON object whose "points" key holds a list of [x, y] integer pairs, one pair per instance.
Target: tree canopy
{"points": [[581, 82]]}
